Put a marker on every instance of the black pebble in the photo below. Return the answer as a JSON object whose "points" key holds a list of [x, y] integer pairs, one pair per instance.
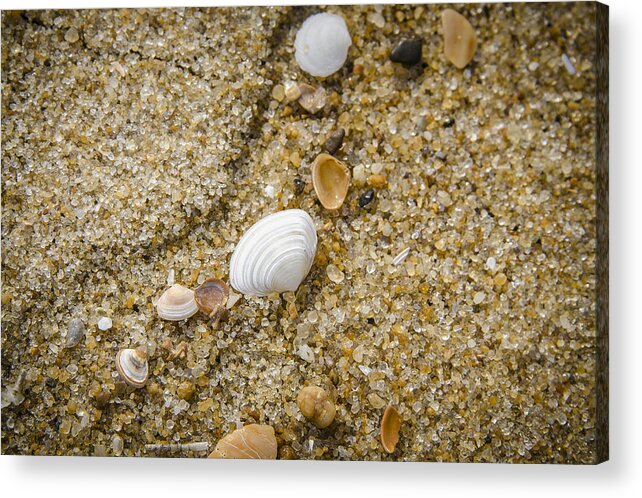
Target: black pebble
{"points": [[371, 321], [366, 198], [407, 52], [299, 185], [449, 122], [488, 439], [50, 382], [335, 141]]}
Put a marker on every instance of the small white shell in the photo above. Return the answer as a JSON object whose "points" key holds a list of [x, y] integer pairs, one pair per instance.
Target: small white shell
{"points": [[322, 44], [132, 366], [275, 254], [177, 303]]}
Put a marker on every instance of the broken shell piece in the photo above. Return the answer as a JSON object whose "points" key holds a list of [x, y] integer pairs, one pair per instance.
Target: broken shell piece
{"points": [[252, 441], [312, 99], [316, 405], [460, 40], [232, 300], [211, 296], [321, 44], [292, 90], [390, 425], [177, 303], [132, 366], [331, 179]]}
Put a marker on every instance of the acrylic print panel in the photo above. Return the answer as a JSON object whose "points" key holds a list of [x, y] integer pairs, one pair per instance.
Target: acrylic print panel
{"points": [[325, 233]]}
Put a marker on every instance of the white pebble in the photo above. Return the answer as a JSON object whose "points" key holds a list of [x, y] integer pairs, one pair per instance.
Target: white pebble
{"points": [[170, 277], [269, 191], [568, 64], [104, 323], [491, 264], [305, 353], [401, 256], [479, 297], [377, 19]]}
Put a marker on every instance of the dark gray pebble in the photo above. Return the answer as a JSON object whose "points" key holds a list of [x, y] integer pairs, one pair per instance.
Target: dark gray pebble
{"points": [[407, 52], [366, 198], [299, 186], [335, 141]]}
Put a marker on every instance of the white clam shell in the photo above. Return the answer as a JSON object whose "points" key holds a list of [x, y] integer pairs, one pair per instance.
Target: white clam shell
{"points": [[177, 303], [275, 254], [322, 44], [132, 366]]}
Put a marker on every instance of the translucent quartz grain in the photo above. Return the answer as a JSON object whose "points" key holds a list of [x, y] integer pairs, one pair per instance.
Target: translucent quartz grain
{"points": [[334, 274]]}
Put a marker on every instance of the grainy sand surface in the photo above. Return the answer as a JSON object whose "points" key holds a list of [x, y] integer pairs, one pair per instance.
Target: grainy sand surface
{"points": [[139, 145]]}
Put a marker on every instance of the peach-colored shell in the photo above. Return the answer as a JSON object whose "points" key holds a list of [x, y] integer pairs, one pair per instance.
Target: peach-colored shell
{"points": [[460, 40], [390, 425], [251, 441], [331, 180], [211, 296]]}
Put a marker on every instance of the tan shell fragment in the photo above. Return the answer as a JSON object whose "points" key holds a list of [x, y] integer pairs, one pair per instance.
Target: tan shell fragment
{"points": [[390, 425], [251, 441], [312, 99], [460, 40], [331, 180], [177, 303], [316, 405], [211, 296]]}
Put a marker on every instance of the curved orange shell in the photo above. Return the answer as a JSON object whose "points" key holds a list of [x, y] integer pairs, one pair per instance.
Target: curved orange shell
{"points": [[390, 425]]}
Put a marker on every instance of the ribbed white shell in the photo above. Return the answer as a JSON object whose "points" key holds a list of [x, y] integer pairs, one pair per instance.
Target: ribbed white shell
{"points": [[176, 303], [322, 44], [275, 254]]}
